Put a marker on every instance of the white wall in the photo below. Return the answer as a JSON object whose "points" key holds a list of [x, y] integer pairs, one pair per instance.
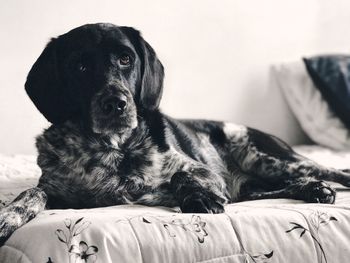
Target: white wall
{"points": [[216, 54]]}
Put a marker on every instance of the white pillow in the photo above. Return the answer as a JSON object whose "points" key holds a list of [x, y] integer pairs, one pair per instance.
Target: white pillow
{"points": [[313, 113], [17, 173]]}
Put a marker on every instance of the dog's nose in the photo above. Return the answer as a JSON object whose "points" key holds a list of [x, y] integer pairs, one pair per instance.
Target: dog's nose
{"points": [[114, 105]]}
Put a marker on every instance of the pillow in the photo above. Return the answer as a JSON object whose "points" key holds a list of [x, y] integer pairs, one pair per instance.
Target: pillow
{"points": [[17, 173], [306, 102], [331, 75]]}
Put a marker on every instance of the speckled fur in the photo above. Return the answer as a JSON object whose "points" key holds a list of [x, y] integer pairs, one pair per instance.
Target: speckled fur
{"points": [[25, 207], [90, 159]]}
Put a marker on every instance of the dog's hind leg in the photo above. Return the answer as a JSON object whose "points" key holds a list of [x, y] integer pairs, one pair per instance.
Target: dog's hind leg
{"points": [[269, 158], [25, 207], [306, 189], [275, 170]]}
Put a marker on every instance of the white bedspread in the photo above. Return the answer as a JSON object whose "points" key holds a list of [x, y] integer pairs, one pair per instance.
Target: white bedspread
{"points": [[256, 231]]}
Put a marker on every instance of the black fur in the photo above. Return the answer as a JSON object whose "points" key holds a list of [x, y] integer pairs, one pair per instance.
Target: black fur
{"points": [[100, 85]]}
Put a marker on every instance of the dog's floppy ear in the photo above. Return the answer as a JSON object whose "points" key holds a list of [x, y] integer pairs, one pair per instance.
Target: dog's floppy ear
{"points": [[44, 86], [152, 78], [152, 71]]}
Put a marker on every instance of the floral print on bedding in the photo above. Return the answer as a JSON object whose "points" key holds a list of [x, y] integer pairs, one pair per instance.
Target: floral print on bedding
{"points": [[256, 231]]}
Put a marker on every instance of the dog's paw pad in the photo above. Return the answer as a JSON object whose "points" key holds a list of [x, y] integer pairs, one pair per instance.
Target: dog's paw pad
{"points": [[201, 203], [320, 192]]}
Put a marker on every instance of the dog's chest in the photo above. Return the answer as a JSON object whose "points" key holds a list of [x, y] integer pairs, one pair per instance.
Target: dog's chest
{"points": [[129, 169], [110, 172], [96, 168]]}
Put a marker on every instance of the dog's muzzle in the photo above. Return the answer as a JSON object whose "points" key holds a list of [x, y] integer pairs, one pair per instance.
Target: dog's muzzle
{"points": [[113, 110], [114, 105]]}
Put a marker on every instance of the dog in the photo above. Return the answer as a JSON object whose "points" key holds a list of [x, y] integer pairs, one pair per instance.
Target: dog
{"points": [[100, 86]]}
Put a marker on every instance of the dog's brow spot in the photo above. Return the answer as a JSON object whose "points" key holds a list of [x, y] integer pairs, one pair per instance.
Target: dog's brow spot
{"points": [[236, 130]]}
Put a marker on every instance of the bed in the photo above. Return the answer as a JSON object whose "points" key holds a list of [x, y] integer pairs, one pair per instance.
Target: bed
{"points": [[279, 230]]}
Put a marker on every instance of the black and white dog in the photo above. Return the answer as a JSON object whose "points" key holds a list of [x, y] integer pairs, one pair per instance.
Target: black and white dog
{"points": [[100, 86]]}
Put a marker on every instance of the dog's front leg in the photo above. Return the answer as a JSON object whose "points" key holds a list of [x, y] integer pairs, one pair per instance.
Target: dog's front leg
{"points": [[194, 195], [25, 207]]}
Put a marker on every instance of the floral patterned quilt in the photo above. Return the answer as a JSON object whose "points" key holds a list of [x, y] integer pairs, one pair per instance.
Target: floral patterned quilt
{"points": [[256, 231]]}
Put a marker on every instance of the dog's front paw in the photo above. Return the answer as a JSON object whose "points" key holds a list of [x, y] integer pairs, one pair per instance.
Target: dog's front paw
{"points": [[319, 192], [9, 222], [198, 202]]}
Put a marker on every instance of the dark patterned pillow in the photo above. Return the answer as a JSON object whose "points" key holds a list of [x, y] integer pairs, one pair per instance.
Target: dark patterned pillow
{"points": [[331, 75]]}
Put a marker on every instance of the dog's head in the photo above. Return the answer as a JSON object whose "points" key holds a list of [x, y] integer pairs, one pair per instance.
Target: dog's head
{"points": [[99, 74]]}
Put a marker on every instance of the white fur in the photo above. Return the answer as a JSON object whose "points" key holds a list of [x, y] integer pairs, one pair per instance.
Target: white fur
{"points": [[234, 130]]}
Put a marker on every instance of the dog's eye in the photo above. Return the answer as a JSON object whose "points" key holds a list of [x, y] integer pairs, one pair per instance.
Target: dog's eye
{"points": [[81, 67], [124, 60]]}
